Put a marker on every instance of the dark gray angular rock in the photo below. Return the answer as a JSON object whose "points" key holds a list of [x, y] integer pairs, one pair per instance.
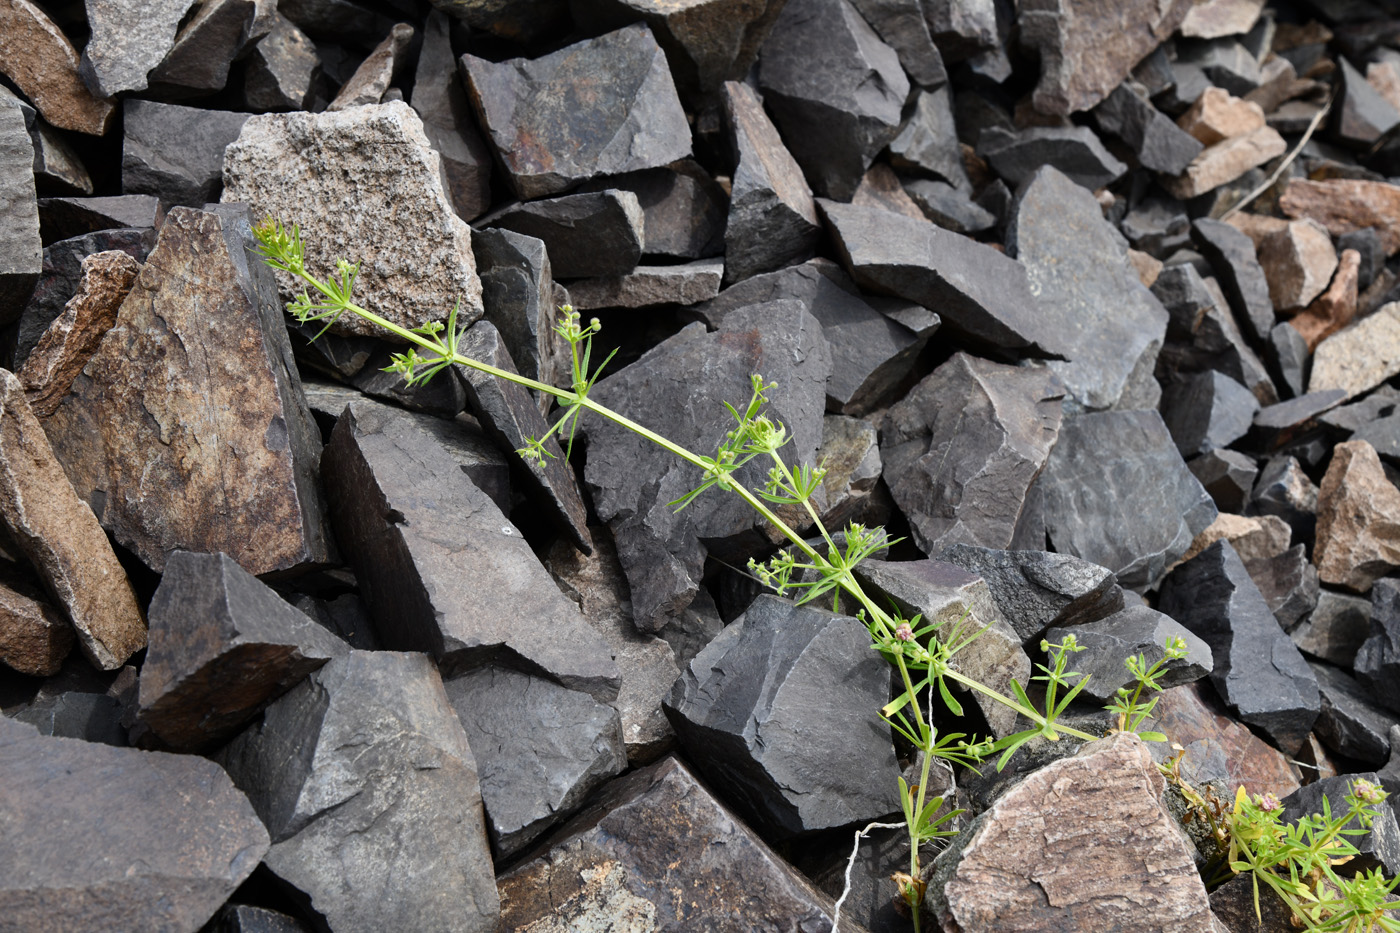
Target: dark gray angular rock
{"points": [[1379, 846], [961, 449], [1037, 589], [440, 567], [79, 706], [963, 28], [928, 141], [370, 81], [517, 291], [365, 765], [597, 233], [1207, 411], [21, 255], [772, 218], [345, 616], [632, 480], [441, 100], [244, 918], [1236, 264], [957, 601], [511, 416], [1136, 630], [1377, 663], [872, 352], [1225, 62], [1143, 508], [1154, 72], [1076, 263], [979, 293], [1227, 475], [540, 750], [222, 646], [1258, 670], [442, 397], [650, 287], [835, 117], [57, 166], [65, 218], [1287, 351], [610, 862], [198, 63], [1367, 242], [603, 106], [1288, 582], [1188, 83], [176, 152], [782, 709], [1157, 226], [1073, 150], [1283, 489], [282, 69], [341, 21], [164, 839], [904, 25], [684, 209], [515, 22], [1336, 629], [1158, 143], [1362, 116], [128, 41], [1291, 421], [1202, 334], [1350, 723], [951, 208]]}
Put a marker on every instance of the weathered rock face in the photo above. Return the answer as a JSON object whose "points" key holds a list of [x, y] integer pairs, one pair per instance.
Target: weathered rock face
{"points": [[610, 863], [198, 63], [1074, 151], [1298, 261], [835, 91], [1358, 519], [1351, 723], [222, 646], [369, 82], [1144, 507], [194, 389], [786, 751], [599, 107], [128, 41], [39, 58], [1048, 854], [929, 141], [176, 152], [164, 839], [365, 766], [298, 168], [1359, 358], [1344, 205], [597, 233], [34, 636], [965, 445], [683, 207], [20, 250], [1159, 143], [282, 69], [1226, 161], [441, 100], [445, 572], [1236, 264]]}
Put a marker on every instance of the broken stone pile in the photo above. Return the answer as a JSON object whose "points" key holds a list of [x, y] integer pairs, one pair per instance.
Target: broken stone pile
{"points": [[1094, 305]]}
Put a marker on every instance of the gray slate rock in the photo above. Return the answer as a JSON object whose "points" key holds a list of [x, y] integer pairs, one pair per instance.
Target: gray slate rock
{"points": [[1283, 489], [511, 416], [1157, 226], [176, 152], [1288, 583], [611, 863], [1363, 116], [1156, 140], [363, 765], [837, 115], [1202, 334], [632, 480], [951, 208], [1038, 589], [599, 233], [65, 218], [128, 41], [367, 86], [1379, 846], [782, 708], [964, 446], [1287, 352], [1207, 411], [20, 250], [980, 294], [441, 100], [1377, 663], [440, 567], [282, 70], [163, 839], [517, 291], [1336, 629], [684, 209], [1236, 264], [1108, 325], [904, 25], [1227, 475], [1350, 723], [444, 397], [540, 749], [1258, 670], [1225, 62], [963, 28], [928, 141], [1143, 508], [1136, 630], [772, 217], [198, 63], [1074, 151], [244, 918], [650, 287], [222, 645], [603, 106]]}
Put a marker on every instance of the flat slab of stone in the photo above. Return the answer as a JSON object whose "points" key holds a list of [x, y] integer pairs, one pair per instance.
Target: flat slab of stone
{"points": [[1037, 589], [1361, 357], [649, 286], [1345, 205], [589, 234], [128, 41], [1134, 631], [1074, 151], [1358, 519], [296, 167], [194, 389], [1225, 161], [20, 250], [603, 106], [174, 152], [97, 838], [43, 64]]}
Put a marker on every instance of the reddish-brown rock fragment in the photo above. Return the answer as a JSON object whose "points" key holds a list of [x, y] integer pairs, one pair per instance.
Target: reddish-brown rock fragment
{"points": [[1225, 161], [369, 82], [34, 636], [1334, 308], [1218, 115], [1344, 205], [72, 338], [42, 63], [61, 537], [881, 188], [1298, 260], [1358, 519]]}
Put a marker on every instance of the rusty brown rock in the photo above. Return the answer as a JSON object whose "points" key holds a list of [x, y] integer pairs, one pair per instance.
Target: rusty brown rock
{"points": [[1217, 116], [72, 338], [188, 428], [42, 63], [1298, 260], [1358, 519], [1049, 854], [1225, 161], [34, 636], [61, 538], [1334, 308], [1251, 536], [369, 82], [881, 188], [1361, 357], [1146, 266], [1345, 205]]}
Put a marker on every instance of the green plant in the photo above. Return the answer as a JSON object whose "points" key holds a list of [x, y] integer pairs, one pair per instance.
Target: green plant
{"points": [[922, 653]]}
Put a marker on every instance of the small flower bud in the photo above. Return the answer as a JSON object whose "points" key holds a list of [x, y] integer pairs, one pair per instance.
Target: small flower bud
{"points": [[904, 632], [1367, 791], [1268, 803]]}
